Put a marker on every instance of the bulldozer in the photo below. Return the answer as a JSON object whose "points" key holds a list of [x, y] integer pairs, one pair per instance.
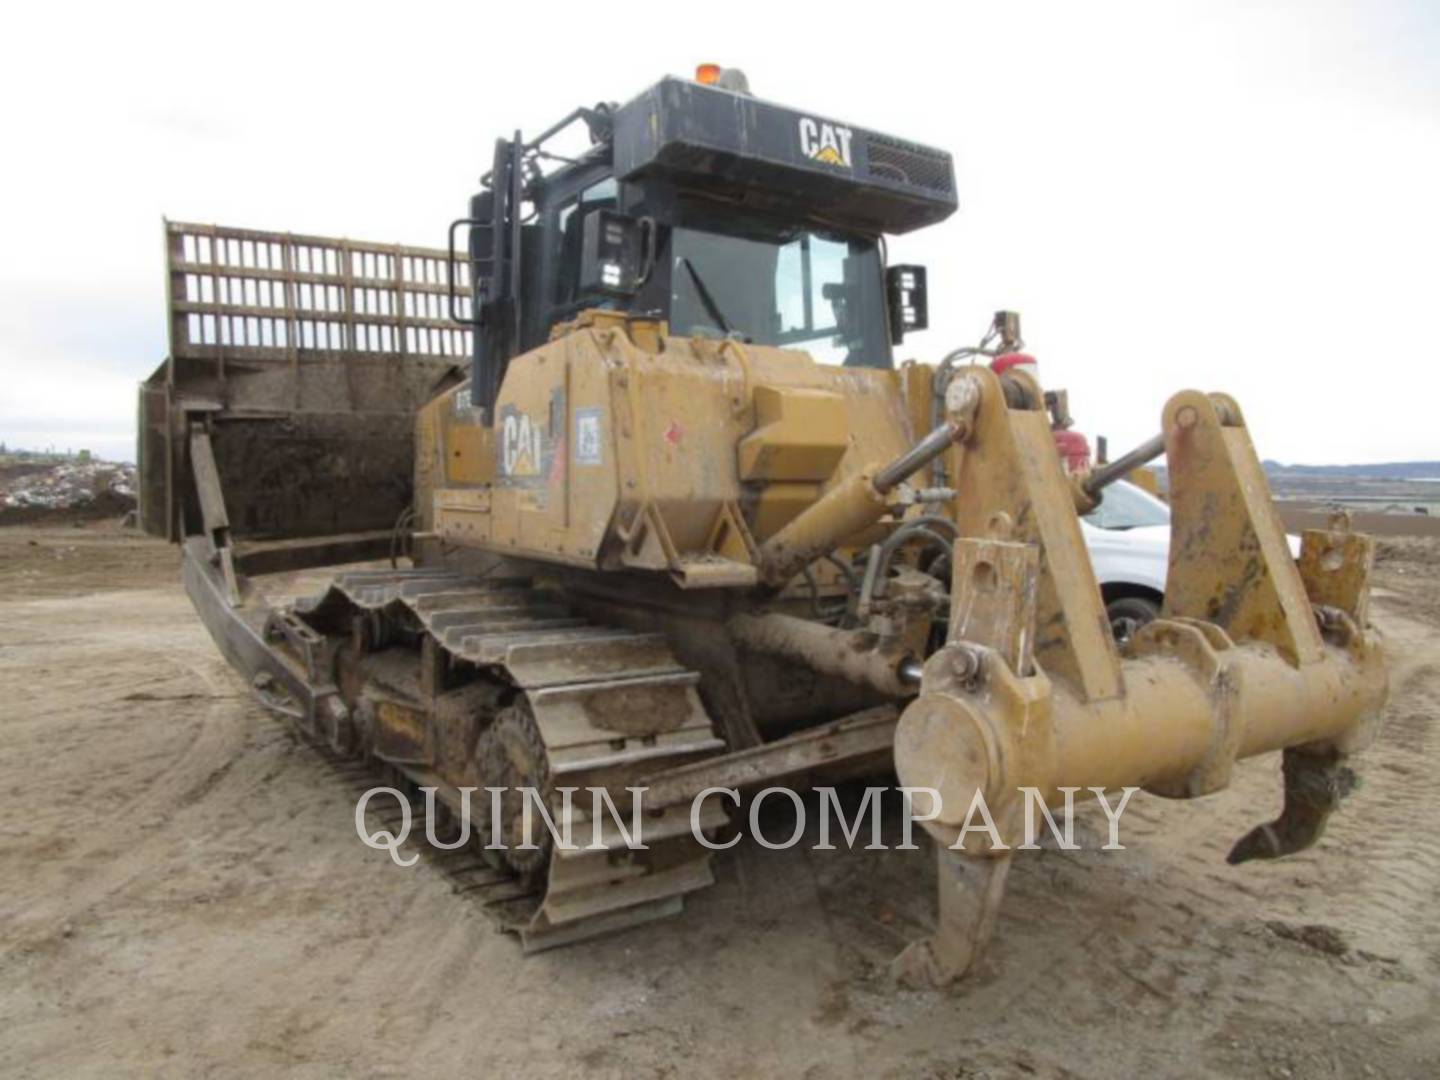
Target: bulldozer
{"points": [[639, 501]]}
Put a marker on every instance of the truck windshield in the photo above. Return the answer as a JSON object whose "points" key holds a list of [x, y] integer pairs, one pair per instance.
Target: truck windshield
{"points": [[805, 291], [1126, 506]]}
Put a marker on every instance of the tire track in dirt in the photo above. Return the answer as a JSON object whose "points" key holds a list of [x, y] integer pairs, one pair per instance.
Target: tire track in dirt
{"points": [[139, 812], [1387, 825]]}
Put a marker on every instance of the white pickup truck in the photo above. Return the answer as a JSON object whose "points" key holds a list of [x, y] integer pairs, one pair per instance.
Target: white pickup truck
{"points": [[1129, 540]]}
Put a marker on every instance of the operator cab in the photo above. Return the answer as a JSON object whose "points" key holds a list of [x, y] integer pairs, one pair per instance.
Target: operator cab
{"points": [[822, 291], [723, 215]]}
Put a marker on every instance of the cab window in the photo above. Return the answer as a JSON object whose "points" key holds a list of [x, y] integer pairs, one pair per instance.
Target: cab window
{"points": [[566, 237]]}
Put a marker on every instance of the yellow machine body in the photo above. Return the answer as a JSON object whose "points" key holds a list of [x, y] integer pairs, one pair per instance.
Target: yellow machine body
{"points": [[646, 560], [616, 446]]}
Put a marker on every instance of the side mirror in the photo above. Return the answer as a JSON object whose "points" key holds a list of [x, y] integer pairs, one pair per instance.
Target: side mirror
{"points": [[907, 300], [611, 249]]}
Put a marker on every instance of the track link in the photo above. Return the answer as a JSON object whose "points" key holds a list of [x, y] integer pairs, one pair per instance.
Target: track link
{"points": [[610, 705]]}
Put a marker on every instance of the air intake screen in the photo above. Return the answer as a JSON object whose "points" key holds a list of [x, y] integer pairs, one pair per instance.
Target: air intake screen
{"points": [[906, 163]]}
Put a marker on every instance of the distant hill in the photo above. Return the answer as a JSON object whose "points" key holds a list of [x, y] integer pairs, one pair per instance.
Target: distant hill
{"points": [[1392, 470]]}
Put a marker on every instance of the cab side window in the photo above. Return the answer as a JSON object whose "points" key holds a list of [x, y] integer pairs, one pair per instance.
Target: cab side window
{"points": [[565, 240]]}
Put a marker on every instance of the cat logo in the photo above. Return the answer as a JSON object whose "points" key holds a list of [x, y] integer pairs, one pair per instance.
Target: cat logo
{"points": [[827, 143], [520, 446]]}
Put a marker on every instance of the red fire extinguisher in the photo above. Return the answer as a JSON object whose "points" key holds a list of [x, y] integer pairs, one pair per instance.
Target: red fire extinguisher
{"points": [[1074, 447]]}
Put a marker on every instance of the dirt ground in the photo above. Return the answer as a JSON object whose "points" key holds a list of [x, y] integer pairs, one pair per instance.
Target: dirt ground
{"points": [[182, 892]]}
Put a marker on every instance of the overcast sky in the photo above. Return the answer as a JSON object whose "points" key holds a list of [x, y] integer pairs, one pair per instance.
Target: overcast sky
{"points": [[1228, 197]]}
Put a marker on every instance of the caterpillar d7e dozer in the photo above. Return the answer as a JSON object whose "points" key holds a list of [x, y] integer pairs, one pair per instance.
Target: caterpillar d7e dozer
{"points": [[677, 522]]}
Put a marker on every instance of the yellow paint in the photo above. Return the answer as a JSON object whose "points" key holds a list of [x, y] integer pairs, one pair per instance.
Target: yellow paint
{"points": [[675, 455]]}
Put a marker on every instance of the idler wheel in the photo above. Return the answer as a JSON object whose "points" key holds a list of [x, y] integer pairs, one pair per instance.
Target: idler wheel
{"points": [[511, 755]]}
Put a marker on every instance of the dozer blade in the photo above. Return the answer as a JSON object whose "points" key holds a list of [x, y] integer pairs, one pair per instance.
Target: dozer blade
{"points": [[309, 412]]}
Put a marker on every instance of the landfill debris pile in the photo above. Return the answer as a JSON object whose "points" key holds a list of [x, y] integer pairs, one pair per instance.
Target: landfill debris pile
{"points": [[68, 485]]}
